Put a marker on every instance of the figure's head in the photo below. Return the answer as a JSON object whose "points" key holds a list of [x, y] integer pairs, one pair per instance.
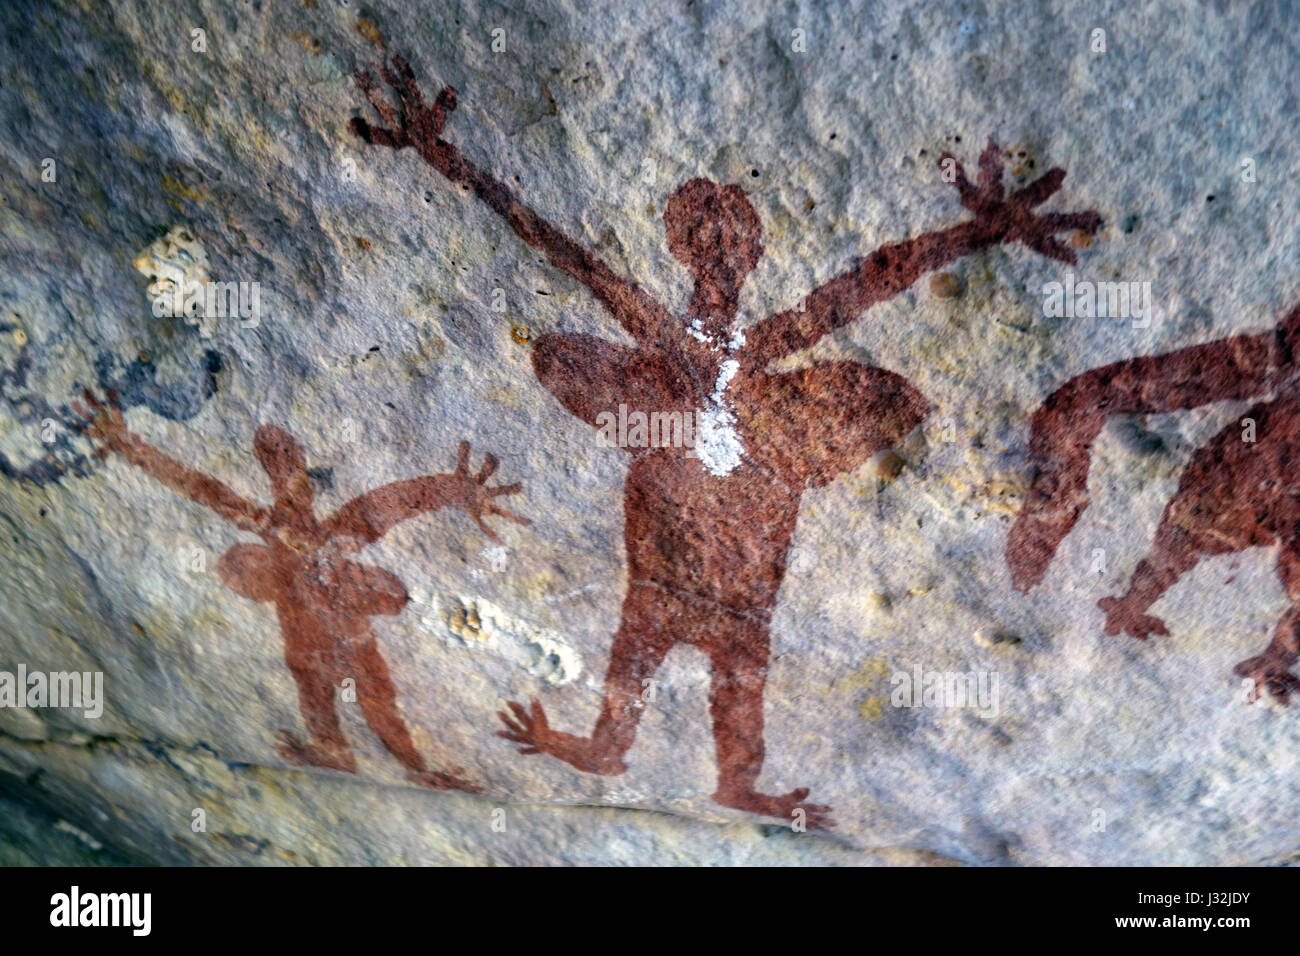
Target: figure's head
{"points": [[284, 461], [715, 232]]}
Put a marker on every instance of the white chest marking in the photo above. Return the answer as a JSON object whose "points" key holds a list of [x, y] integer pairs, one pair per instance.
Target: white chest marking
{"points": [[717, 443]]}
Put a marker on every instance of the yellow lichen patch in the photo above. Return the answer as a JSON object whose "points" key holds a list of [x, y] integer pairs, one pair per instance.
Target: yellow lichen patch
{"points": [[505, 395], [474, 623], [371, 33], [869, 677], [538, 588], [871, 671], [308, 42], [873, 708], [178, 188], [172, 262], [464, 622], [1003, 496]]}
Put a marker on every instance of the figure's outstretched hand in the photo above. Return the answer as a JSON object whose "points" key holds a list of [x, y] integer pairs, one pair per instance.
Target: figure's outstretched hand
{"points": [[416, 123], [1010, 217], [103, 420], [528, 729], [472, 495]]}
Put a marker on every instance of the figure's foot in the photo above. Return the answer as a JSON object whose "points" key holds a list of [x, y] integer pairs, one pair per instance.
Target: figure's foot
{"points": [[1044, 520], [1271, 672], [449, 779], [530, 729], [791, 808], [1123, 616], [313, 755]]}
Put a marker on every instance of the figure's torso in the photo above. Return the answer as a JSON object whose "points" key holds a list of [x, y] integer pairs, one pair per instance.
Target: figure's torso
{"points": [[1243, 481], [322, 597], [720, 538]]}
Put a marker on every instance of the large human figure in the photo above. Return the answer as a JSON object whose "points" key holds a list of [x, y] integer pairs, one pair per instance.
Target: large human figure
{"points": [[707, 529], [323, 599]]}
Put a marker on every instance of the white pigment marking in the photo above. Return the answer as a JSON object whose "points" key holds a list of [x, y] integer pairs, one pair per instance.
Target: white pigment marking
{"points": [[717, 443]]}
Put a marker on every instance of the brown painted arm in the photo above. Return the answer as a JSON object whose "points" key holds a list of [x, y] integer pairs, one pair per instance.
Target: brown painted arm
{"points": [[420, 126], [368, 517], [895, 267], [1065, 426], [105, 422]]}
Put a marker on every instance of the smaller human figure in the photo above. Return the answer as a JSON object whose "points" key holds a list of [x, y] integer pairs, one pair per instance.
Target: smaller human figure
{"points": [[323, 599]]}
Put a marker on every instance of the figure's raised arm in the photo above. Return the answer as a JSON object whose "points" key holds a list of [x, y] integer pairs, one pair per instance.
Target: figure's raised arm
{"points": [[893, 268], [105, 422], [368, 517], [1065, 426], [420, 126]]}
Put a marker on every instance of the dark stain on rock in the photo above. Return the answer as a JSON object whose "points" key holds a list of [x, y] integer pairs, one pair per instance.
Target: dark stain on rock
{"points": [[135, 382]]}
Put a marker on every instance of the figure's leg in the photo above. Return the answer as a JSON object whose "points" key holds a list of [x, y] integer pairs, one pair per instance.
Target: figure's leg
{"points": [[1214, 511], [1272, 669], [1173, 553], [739, 659], [378, 699], [327, 747], [642, 641]]}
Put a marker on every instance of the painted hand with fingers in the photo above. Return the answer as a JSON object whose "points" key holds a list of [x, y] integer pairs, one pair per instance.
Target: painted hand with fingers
{"points": [[1010, 217], [103, 421], [472, 494], [416, 124]]}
